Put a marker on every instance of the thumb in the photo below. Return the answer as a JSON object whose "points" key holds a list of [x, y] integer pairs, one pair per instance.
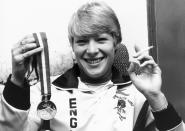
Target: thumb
{"points": [[137, 48]]}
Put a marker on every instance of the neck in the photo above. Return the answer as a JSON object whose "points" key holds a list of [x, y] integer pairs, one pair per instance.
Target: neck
{"points": [[85, 78]]}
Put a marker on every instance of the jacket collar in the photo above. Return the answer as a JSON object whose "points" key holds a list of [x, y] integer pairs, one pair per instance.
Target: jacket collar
{"points": [[70, 78]]}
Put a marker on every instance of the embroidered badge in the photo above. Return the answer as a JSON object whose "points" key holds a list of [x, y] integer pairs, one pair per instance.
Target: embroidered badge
{"points": [[122, 101]]}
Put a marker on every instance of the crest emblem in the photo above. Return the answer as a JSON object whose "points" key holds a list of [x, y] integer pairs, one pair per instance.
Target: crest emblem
{"points": [[121, 104]]}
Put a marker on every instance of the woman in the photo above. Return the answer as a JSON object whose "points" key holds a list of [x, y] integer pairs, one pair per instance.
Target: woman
{"points": [[87, 96]]}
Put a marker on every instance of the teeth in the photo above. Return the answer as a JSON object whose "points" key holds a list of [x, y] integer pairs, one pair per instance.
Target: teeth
{"points": [[94, 61]]}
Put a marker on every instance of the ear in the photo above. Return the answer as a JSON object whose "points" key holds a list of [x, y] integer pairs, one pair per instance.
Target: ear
{"points": [[72, 44], [72, 47], [115, 41], [71, 41], [73, 56], [116, 46]]}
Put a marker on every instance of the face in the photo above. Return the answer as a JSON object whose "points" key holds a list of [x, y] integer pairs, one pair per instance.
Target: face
{"points": [[94, 55]]}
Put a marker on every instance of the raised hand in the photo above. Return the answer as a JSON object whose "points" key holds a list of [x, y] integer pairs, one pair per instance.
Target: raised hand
{"points": [[148, 79], [21, 53]]}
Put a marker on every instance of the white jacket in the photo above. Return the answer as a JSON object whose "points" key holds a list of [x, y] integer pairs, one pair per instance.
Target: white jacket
{"points": [[105, 107]]}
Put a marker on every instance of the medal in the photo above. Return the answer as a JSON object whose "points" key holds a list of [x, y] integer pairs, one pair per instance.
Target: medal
{"points": [[46, 109]]}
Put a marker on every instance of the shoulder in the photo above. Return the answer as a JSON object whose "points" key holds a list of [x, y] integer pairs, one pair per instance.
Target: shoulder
{"points": [[138, 99]]}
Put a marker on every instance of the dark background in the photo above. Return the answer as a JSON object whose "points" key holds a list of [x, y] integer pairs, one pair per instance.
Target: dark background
{"points": [[170, 34]]}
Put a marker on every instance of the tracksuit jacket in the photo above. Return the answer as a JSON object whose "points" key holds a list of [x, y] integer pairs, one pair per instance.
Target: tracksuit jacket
{"points": [[115, 105]]}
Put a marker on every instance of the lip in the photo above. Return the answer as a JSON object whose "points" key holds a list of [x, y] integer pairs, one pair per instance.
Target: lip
{"points": [[94, 61]]}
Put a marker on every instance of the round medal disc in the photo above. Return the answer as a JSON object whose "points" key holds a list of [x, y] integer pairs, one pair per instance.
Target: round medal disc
{"points": [[46, 110]]}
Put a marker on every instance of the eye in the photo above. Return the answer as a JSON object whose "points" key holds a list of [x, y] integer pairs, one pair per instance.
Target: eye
{"points": [[101, 39], [81, 41]]}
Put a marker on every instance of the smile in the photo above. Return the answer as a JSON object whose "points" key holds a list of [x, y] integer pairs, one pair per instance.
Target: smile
{"points": [[94, 61]]}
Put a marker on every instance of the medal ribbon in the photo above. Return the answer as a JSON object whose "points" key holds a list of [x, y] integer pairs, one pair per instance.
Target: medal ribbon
{"points": [[44, 72], [43, 63]]}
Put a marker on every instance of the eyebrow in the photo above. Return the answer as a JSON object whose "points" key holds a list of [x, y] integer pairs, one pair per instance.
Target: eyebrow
{"points": [[91, 36]]}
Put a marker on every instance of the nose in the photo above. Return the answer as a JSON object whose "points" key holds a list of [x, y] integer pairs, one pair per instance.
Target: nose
{"points": [[92, 48]]}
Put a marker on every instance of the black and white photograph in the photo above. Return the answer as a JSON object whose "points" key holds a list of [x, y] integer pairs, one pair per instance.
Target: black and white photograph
{"points": [[92, 65]]}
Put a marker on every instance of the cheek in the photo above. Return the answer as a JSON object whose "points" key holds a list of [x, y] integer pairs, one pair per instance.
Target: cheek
{"points": [[112, 54], [110, 51], [78, 51]]}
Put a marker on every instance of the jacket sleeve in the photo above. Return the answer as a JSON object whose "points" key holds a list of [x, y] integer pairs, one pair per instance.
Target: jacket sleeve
{"points": [[14, 107], [165, 120]]}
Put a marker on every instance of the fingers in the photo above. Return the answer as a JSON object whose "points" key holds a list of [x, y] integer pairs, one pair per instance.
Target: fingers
{"points": [[137, 48], [148, 63], [19, 58], [24, 49], [145, 60], [142, 54], [142, 61], [27, 39], [24, 45], [143, 51], [32, 52]]}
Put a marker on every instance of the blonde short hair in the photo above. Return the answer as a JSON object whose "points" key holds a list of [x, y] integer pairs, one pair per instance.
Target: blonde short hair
{"points": [[92, 19]]}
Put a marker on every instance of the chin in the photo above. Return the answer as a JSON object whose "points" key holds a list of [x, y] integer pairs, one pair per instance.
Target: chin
{"points": [[96, 73]]}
